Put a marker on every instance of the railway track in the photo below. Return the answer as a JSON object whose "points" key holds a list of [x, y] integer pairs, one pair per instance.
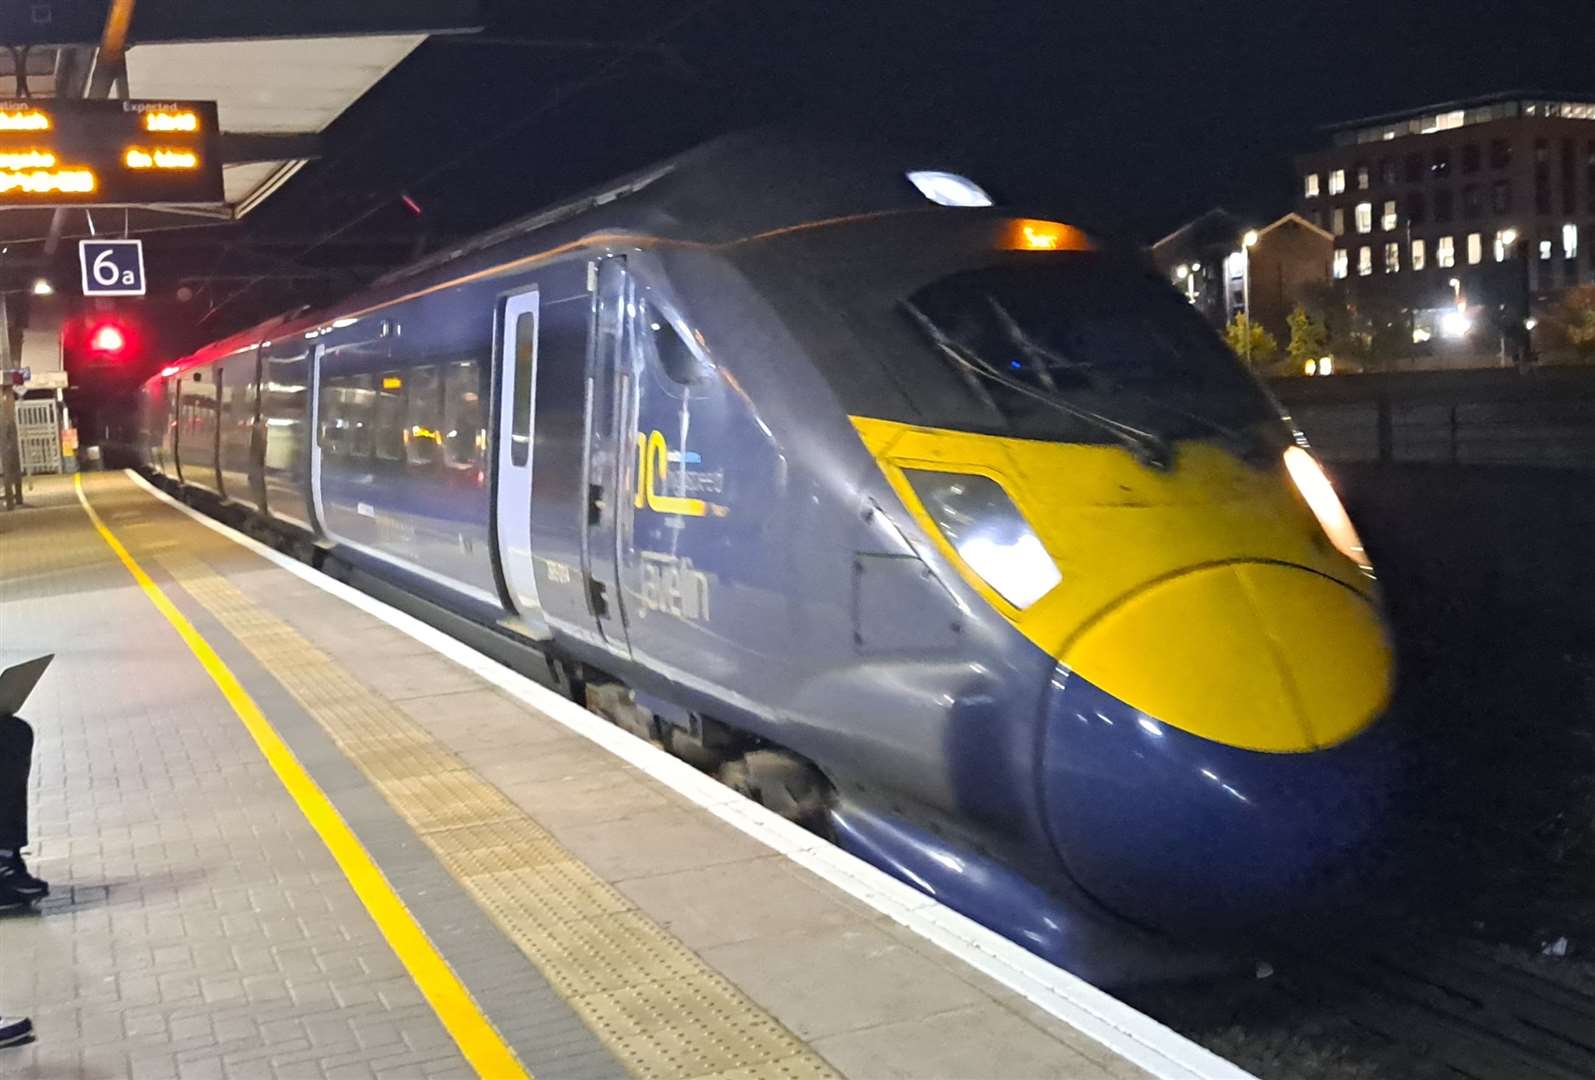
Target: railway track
{"points": [[1460, 1015]]}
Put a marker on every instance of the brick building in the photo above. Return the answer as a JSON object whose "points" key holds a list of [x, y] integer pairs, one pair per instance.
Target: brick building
{"points": [[1204, 259]]}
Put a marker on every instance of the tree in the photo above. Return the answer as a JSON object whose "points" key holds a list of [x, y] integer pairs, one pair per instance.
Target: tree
{"points": [[1577, 317], [1264, 347], [1309, 339]]}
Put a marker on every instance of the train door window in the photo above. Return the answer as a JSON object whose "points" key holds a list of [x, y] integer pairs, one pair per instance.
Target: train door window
{"points": [[388, 421], [361, 407], [525, 366], [464, 433], [423, 417], [662, 344]]}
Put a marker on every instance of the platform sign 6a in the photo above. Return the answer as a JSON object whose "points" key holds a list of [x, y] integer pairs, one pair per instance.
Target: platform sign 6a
{"points": [[112, 267]]}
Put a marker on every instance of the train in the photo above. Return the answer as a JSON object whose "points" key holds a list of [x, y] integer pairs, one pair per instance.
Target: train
{"points": [[948, 530]]}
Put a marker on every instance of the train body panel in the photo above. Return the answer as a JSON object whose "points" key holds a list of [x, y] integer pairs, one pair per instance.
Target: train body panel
{"points": [[883, 485]]}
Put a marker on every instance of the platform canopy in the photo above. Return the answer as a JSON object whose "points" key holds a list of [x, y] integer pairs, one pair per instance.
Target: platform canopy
{"points": [[280, 72]]}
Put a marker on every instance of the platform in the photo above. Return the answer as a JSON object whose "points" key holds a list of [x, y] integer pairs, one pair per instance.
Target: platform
{"points": [[292, 833]]}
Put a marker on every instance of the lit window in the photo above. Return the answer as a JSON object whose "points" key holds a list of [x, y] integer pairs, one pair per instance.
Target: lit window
{"points": [[1362, 178], [1341, 263], [1545, 250], [1475, 247], [1387, 220], [1337, 181], [1445, 254], [1392, 257], [1312, 185], [1338, 219], [1364, 217], [1417, 255], [1570, 240], [1364, 261]]}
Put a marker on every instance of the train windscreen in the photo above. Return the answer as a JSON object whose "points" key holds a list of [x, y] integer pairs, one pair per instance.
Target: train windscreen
{"points": [[927, 323]]}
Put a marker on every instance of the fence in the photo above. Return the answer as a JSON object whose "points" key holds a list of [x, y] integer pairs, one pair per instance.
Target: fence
{"points": [[40, 437], [1543, 417]]}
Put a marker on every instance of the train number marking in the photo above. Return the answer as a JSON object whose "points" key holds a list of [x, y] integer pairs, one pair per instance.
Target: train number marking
{"points": [[558, 573]]}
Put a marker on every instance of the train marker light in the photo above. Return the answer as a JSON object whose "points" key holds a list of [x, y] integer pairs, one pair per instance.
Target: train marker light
{"points": [[1032, 234], [169, 370], [948, 189]]}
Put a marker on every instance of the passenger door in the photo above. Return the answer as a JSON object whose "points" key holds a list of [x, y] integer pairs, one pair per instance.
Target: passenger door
{"points": [[609, 457], [513, 477]]}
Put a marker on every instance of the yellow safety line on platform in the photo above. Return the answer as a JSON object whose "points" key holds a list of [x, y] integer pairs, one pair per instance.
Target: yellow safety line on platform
{"points": [[476, 1037]]}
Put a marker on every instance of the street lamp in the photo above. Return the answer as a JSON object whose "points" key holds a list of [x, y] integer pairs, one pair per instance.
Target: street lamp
{"points": [[1247, 242]]}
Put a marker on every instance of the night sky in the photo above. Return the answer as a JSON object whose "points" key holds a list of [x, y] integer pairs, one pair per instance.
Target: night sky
{"points": [[1130, 116]]}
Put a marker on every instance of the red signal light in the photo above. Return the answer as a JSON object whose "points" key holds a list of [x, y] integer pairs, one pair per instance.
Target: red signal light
{"points": [[108, 339]]}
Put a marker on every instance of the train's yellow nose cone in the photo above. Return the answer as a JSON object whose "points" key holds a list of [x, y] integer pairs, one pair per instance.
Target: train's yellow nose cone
{"points": [[1262, 656]]}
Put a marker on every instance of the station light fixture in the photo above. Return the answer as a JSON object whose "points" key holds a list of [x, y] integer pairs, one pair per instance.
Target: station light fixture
{"points": [[42, 287], [1530, 323], [1250, 239]]}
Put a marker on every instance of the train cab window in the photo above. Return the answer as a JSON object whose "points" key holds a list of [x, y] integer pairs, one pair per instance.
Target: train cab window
{"points": [[423, 417], [1070, 348], [663, 345], [464, 429], [388, 421]]}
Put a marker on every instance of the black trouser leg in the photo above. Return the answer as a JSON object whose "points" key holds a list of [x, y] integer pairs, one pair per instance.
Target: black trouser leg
{"points": [[16, 761]]}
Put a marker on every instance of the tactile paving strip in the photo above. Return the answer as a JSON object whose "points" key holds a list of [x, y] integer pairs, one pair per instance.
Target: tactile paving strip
{"points": [[662, 1011]]}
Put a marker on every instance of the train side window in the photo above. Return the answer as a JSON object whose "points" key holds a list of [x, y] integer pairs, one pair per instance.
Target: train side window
{"points": [[464, 434], [661, 342], [525, 366], [423, 416], [388, 436]]}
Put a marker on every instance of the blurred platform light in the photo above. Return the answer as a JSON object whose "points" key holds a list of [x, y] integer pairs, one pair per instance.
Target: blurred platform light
{"points": [[1455, 324], [949, 189], [42, 287]]}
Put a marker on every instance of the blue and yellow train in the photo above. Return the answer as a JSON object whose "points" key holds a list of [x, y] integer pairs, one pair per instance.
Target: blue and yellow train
{"points": [[933, 525]]}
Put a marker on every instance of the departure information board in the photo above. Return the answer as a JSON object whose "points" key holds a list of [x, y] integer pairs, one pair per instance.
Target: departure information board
{"points": [[108, 153]]}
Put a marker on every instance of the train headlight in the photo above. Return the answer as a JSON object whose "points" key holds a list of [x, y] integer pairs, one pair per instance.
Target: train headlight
{"points": [[988, 532], [1319, 493]]}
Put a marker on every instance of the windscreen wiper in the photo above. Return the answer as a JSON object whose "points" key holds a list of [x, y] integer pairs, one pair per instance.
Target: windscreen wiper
{"points": [[1043, 355], [1148, 447]]}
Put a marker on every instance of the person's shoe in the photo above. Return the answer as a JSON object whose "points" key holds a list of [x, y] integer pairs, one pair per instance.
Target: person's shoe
{"points": [[17, 886], [15, 1030]]}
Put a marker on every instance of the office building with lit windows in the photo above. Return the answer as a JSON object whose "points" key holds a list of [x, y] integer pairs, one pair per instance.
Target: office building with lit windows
{"points": [[1464, 202]]}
